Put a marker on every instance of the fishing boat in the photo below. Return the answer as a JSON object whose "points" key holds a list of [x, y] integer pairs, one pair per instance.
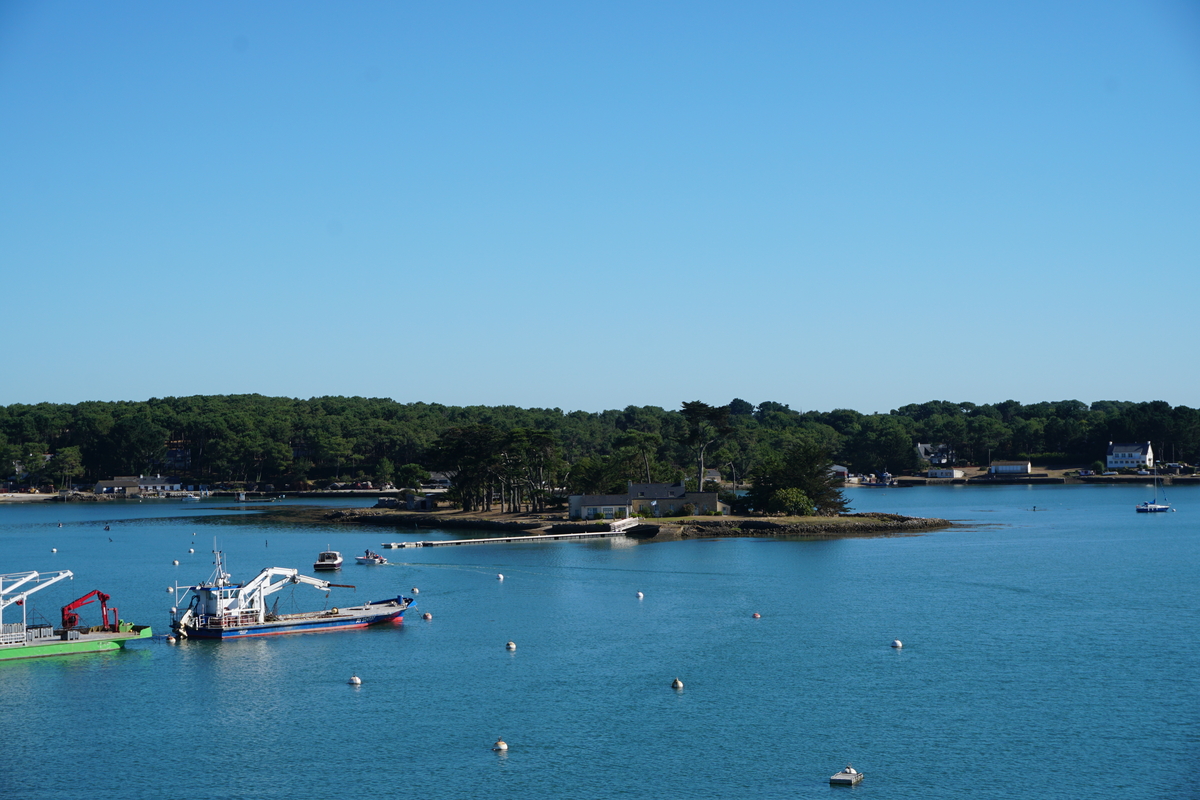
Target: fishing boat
{"points": [[220, 608], [22, 640], [327, 560], [1153, 506], [370, 557]]}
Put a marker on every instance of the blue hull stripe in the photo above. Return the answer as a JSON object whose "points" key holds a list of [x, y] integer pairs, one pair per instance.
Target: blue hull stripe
{"points": [[315, 626]]}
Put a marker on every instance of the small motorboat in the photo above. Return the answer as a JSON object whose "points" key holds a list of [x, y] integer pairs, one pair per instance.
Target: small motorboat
{"points": [[370, 557], [847, 777], [190, 498], [329, 559]]}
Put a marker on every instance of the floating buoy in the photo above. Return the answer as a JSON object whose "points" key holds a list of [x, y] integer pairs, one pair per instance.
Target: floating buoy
{"points": [[191, 549], [53, 549], [193, 533], [897, 643], [355, 680], [757, 615], [500, 576], [175, 562], [427, 615], [500, 745], [416, 590], [170, 640], [169, 590], [174, 610], [640, 595], [677, 684], [510, 646]]}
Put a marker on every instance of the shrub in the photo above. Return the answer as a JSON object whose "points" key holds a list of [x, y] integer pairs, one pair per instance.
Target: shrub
{"points": [[791, 501]]}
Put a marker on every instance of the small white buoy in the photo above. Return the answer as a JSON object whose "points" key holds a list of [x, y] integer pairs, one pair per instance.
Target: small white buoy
{"points": [[677, 684], [191, 549], [175, 562], [500, 745], [427, 615], [640, 595], [169, 590], [174, 610], [757, 615], [355, 680], [53, 549], [170, 640], [416, 590], [510, 646], [500, 576], [897, 643]]}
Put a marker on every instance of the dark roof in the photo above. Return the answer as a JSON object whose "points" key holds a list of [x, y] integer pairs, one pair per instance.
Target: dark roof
{"points": [[605, 500], [1141, 448], [656, 491]]}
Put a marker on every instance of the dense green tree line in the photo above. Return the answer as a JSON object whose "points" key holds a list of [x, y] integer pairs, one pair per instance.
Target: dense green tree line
{"points": [[522, 453]]}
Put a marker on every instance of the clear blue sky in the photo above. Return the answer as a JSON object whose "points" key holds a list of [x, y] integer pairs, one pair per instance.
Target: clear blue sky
{"points": [[830, 205]]}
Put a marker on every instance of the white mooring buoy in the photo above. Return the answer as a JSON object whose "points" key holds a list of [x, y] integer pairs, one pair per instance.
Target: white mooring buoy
{"points": [[500, 745], [510, 646], [175, 562], [191, 549], [757, 615], [897, 643], [170, 640], [427, 615], [416, 590], [500, 576], [640, 595], [169, 590], [355, 680], [53, 549], [677, 684]]}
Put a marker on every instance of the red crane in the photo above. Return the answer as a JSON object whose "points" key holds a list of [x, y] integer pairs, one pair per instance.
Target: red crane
{"points": [[70, 619]]}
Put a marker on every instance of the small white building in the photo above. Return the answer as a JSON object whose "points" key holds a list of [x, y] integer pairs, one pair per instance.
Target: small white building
{"points": [[944, 473], [1010, 468], [599, 506], [1130, 456]]}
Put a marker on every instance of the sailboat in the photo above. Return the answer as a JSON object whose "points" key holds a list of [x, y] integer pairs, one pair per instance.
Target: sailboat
{"points": [[1153, 506]]}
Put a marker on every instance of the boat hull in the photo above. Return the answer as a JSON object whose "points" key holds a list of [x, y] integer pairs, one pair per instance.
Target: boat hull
{"points": [[86, 643], [316, 622]]}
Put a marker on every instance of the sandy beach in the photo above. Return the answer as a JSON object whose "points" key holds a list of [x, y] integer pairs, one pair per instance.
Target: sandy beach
{"points": [[13, 497]]}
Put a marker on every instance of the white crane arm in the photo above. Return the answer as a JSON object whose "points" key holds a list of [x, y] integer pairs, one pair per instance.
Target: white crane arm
{"points": [[9, 593]]}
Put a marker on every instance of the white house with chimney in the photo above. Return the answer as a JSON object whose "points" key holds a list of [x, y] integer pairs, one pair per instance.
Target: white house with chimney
{"points": [[1138, 455]]}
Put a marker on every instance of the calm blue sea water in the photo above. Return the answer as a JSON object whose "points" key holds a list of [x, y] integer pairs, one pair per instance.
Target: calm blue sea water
{"points": [[1048, 653]]}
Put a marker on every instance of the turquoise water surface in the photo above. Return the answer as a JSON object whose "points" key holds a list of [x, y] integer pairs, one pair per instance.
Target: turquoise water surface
{"points": [[1049, 653]]}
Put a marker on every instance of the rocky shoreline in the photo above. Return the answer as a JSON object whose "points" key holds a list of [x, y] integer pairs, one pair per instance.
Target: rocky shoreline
{"points": [[848, 525]]}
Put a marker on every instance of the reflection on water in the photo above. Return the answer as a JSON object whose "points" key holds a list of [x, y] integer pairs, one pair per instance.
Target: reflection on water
{"points": [[1025, 636]]}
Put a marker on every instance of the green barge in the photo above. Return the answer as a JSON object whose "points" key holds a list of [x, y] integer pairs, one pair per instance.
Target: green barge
{"points": [[21, 640]]}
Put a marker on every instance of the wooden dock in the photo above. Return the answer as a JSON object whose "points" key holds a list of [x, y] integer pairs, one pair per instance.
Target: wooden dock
{"points": [[537, 537]]}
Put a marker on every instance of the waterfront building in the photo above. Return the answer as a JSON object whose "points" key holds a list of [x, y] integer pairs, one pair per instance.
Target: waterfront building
{"points": [[1138, 455]]}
